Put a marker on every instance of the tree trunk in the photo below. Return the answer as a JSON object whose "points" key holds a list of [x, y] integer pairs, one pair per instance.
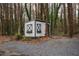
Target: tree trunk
{"points": [[65, 20], [74, 17], [70, 19]]}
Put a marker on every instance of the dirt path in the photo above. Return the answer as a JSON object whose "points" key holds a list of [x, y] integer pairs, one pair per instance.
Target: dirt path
{"points": [[58, 47]]}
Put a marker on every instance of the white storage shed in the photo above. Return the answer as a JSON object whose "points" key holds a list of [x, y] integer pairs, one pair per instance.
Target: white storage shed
{"points": [[35, 29]]}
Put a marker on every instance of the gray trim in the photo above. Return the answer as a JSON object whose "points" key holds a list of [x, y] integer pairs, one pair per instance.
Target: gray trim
{"points": [[35, 29]]}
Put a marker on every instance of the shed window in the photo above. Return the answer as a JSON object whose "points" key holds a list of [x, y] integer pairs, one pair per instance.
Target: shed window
{"points": [[38, 27], [29, 28]]}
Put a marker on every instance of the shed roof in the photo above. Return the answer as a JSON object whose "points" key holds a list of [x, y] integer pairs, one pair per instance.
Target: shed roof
{"points": [[38, 20]]}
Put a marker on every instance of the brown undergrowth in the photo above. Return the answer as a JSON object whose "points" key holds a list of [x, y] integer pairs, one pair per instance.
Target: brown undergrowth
{"points": [[33, 40]]}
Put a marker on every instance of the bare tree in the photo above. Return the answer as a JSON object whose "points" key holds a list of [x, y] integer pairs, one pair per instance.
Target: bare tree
{"points": [[70, 19], [65, 19]]}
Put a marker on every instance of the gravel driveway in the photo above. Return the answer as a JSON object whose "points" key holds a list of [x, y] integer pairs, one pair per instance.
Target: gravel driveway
{"points": [[58, 47]]}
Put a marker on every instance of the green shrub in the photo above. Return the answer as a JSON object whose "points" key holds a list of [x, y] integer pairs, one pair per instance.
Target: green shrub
{"points": [[18, 36], [26, 38]]}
